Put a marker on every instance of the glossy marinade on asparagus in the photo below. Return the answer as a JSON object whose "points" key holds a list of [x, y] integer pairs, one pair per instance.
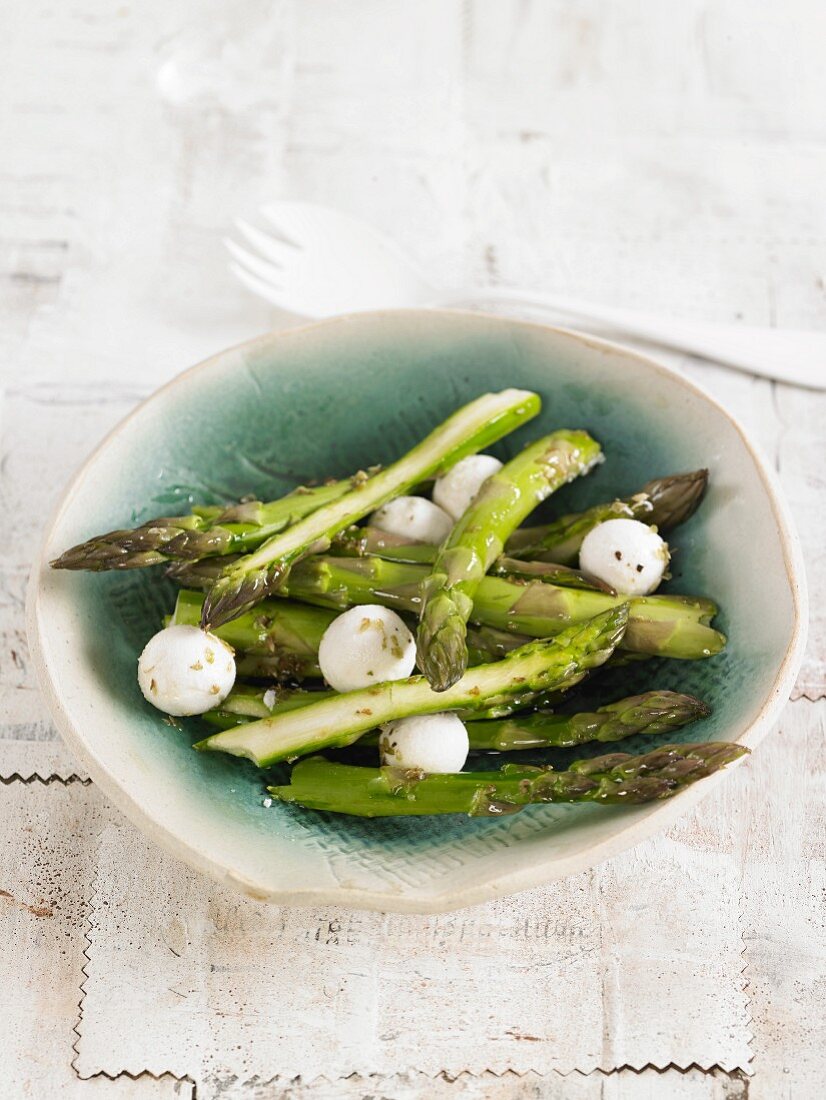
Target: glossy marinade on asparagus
{"points": [[550, 571], [477, 540], [366, 542], [538, 667], [369, 541], [279, 639], [615, 779], [652, 713], [214, 531], [659, 625], [664, 502], [470, 429]]}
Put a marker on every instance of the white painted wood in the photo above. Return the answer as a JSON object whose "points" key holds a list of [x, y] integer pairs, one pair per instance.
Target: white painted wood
{"points": [[39, 761], [45, 882], [662, 157], [626, 1085], [569, 977], [783, 840], [46, 430]]}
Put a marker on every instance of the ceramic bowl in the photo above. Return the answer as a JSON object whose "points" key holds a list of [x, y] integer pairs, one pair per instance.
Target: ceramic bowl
{"points": [[331, 398]]}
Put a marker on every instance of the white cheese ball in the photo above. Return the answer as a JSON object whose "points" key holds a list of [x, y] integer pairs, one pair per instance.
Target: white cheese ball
{"points": [[627, 554], [435, 743], [414, 518], [184, 670], [455, 490], [365, 646]]}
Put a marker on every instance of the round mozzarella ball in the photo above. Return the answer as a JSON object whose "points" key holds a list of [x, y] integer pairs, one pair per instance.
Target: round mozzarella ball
{"points": [[455, 490], [414, 518], [627, 554], [184, 670], [365, 646], [431, 742]]}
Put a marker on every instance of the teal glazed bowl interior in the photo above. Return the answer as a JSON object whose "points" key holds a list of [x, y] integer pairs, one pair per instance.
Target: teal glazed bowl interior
{"points": [[329, 399]]}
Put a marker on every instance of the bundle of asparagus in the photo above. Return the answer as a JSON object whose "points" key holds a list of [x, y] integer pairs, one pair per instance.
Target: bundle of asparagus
{"points": [[302, 591]]}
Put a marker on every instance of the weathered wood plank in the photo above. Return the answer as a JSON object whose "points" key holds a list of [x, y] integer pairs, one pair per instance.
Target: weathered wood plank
{"points": [[345, 992], [783, 841], [624, 1085], [46, 871], [60, 874], [47, 432], [39, 761]]}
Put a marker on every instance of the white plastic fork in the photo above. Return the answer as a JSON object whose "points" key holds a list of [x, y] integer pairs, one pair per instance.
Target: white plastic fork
{"points": [[318, 262]]}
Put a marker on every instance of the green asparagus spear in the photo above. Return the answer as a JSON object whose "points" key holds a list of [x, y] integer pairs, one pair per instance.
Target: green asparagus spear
{"points": [[478, 539], [206, 532], [659, 625], [664, 502], [615, 779], [472, 428], [248, 703], [362, 541], [652, 713], [280, 638], [550, 571], [280, 667], [200, 574], [536, 667]]}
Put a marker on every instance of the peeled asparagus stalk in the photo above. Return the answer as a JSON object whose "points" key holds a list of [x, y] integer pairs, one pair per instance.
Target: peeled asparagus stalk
{"points": [[654, 712], [477, 540], [470, 429], [539, 666]]}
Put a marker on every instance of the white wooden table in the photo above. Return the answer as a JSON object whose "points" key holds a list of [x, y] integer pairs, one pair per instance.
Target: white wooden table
{"points": [[669, 156]]}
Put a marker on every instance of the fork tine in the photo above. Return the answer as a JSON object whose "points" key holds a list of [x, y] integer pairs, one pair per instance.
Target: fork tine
{"points": [[279, 214], [277, 251], [258, 286], [265, 269], [265, 290]]}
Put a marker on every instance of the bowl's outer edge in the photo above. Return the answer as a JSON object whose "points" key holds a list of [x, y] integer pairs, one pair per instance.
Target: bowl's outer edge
{"points": [[524, 878]]}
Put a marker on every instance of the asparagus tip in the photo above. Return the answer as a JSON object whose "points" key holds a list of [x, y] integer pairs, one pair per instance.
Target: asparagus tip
{"points": [[674, 499], [233, 594]]}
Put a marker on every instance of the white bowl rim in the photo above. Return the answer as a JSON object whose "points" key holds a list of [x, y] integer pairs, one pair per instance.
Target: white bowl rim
{"points": [[541, 870]]}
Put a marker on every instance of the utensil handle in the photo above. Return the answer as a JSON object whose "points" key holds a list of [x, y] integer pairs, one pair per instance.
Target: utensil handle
{"points": [[796, 356]]}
